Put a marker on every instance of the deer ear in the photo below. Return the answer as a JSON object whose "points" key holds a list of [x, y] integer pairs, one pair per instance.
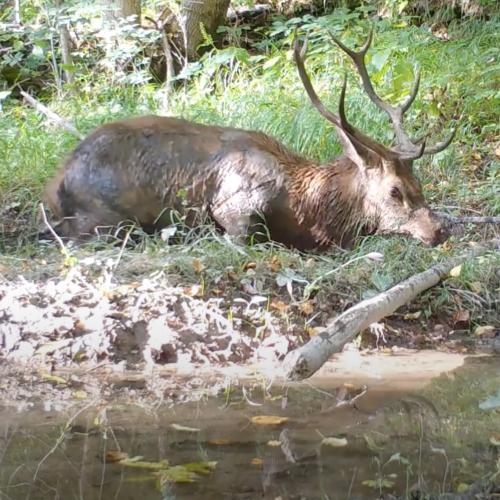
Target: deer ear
{"points": [[359, 154]]}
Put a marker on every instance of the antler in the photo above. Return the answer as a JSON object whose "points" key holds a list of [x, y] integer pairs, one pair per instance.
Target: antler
{"points": [[340, 120], [405, 146]]}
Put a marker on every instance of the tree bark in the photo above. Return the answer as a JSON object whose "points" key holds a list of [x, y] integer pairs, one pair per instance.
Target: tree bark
{"points": [[209, 13], [65, 42], [305, 361], [17, 12], [121, 9]]}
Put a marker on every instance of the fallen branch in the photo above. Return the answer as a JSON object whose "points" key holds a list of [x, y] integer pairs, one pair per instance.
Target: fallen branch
{"points": [[303, 362], [54, 117], [470, 219]]}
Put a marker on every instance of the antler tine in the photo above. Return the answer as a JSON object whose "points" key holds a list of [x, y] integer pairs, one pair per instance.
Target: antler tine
{"points": [[414, 91], [341, 121], [355, 133], [299, 53], [395, 113], [440, 146]]}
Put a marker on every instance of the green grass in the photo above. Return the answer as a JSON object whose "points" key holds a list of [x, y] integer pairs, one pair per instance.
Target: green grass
{"points": [[458, 82]]}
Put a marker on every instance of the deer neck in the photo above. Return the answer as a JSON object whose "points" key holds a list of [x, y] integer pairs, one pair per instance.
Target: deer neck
{"points": [[329, 200]]}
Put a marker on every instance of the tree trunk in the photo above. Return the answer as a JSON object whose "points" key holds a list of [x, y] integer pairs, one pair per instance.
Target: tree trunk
{"points": [[209, 13], [65, 42], [17, 12], [121, 9]]}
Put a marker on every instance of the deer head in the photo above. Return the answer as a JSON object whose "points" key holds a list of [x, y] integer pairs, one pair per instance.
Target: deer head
{"points": [[391, 194]]}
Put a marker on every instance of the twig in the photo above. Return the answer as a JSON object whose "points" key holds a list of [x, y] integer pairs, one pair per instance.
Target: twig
{"points": [[454, 219], [62, 436], [60, 242], [51, 115]]}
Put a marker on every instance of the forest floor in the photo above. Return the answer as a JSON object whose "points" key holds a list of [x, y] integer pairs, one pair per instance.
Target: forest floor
{"points": [[204, 302]]}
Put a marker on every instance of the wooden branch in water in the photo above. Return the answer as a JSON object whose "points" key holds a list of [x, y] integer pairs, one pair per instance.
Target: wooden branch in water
{"points": [[306, 360], [54, 117], [490, 219]]}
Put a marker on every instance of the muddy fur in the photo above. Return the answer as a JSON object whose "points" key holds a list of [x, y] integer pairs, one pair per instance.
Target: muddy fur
{"points": [[142, 168]]}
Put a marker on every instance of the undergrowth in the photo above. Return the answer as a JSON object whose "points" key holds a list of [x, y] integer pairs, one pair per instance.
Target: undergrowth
{"points": [[261, 90]]}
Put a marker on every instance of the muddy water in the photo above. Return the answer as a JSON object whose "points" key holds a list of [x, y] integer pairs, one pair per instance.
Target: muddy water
{"points": [[390, 430]]}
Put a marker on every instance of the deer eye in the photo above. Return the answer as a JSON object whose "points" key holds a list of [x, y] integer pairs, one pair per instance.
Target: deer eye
{"points": [[396, 193]]}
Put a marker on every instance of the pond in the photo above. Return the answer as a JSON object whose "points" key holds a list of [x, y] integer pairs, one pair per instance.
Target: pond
{"points": [[388, 434]]}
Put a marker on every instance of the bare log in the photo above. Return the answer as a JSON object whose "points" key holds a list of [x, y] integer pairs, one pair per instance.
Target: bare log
{"points": [[54, 117], [306, 360]]}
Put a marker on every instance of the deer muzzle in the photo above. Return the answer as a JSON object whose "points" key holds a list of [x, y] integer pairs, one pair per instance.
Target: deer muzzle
{"points": [[427, 227]]}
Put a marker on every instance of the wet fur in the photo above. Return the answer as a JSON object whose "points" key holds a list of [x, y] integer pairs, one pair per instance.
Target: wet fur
{"points": [[138, 169]]}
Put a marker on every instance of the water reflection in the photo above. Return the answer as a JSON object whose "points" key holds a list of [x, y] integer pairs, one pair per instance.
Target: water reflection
{"points": [[345, 442]]}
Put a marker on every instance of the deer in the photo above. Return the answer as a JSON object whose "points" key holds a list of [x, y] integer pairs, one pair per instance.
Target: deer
{"points": [[143, 169]]}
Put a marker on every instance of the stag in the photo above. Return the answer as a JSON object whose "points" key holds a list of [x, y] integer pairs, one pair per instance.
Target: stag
{"points": [[141, 169]]}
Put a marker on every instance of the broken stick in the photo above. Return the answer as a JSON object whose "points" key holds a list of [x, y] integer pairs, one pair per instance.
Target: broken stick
{"points": [[51, 115], [306, 360]]}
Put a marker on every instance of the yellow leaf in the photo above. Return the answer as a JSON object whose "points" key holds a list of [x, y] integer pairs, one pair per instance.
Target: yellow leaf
{"points": [[113, 456], [462, 488], [413, 315], [183, 428], [485, 331], [274, 443], [455, 272], [47, 377], [495, 440], [275, 264], [80, 395], [197, 266], [140, 464], [176, 474], [334, 442], [257, 461], [268, 420]]}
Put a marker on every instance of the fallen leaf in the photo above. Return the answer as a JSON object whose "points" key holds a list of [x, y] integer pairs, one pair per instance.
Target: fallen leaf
{"points": [[485, 331], [461, 317], [183, 428], [113, 456], [334, 442], [497, 151], [141, 464], [306, 307], [197, 266], [249, 265], [274, 443], [176, 474], [50, 347], [257, 462], [462, 487], [193, 291], [279, 305], [80, 395], [413, 315], [275, 264], [455, 272], [268, 420], [495, 440], [47, 377], [220, 442]]}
